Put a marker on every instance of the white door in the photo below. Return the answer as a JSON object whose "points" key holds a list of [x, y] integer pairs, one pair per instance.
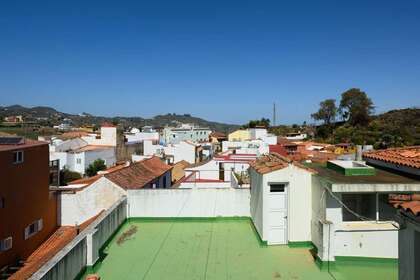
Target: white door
{"points": [[277, 214]]}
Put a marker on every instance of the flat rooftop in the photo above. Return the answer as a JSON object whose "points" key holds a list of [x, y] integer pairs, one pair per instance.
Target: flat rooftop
{"points": [[381, 176], [216, 249]]}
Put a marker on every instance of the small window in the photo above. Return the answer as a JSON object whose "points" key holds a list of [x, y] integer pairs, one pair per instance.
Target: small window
{"points": [[6, 244], [277, 188], [79, 161], [33, 228], [18, 157]]}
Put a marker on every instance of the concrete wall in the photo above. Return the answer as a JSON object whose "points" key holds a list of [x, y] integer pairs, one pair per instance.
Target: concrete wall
{"points": [[80, 206], [61, 156], [184, 151], [256, 203], [188, 202], [83, 250], [108, 155], [366, 243], [333, 237]]}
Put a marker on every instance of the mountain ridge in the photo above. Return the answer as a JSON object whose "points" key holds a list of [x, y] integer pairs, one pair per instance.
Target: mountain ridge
{"points": [[50, 116]]}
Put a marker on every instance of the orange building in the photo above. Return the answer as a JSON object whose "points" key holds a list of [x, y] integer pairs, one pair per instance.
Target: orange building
{"points": [[28, 210]]}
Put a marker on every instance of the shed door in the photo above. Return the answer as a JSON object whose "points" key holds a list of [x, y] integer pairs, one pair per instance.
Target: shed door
{"points": [[277, 214]]}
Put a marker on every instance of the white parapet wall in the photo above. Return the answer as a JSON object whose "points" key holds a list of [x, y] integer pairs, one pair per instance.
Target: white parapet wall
{"points": [[227, 202], [78, 207]]}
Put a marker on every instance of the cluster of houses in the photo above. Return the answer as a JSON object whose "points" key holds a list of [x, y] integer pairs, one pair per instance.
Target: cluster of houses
{"points": [[343, 200]]}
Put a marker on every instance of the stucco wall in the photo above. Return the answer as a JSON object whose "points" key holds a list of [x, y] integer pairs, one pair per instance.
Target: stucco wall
{"points": [[188, 202], [369, 243], [80, 206], [27, 198], [256, 202], [299, 201]]}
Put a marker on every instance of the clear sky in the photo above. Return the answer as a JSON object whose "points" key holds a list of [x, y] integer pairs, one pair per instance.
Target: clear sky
{"points": [[221, 60]]}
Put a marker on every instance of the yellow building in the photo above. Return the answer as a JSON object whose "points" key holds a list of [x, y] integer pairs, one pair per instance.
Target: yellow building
{"points": [[344, 148], [239, 135]]}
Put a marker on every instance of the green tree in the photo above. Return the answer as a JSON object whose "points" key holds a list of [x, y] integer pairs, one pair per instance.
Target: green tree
{"points": [[95, 166], [254, 123], [67, 176], [327, 112], [356, 107]]}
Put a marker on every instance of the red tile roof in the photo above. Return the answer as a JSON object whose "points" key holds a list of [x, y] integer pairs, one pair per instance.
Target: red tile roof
{"points": [[408, 202], [57, 241], [107, 124], [139, 174], [218, 135], [73, 134], [408, 156], [90, 180], [92, 148], [270, 163]]}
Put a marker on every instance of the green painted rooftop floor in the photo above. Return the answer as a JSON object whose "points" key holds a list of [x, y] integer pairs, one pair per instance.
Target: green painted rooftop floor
{"points": [[217, 249]]}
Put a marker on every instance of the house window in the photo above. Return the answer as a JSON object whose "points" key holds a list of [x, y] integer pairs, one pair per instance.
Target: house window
{"points": [[18, 157], [360, 204], [6, 244], [277, 187], [79, 161], [33, 228]]}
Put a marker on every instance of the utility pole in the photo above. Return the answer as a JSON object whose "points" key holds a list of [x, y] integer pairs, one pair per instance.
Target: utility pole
{"points": [[274, 114]]}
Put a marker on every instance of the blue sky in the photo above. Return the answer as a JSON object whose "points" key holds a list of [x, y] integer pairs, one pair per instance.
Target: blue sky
{"points": [[221, 60]]}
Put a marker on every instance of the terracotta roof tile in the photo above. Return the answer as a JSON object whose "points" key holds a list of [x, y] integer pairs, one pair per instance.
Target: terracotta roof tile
{"points": [[139, 174], [57, 241], [90, 180], [408, 156], [72, 134], [269, 163], [408, 202]]}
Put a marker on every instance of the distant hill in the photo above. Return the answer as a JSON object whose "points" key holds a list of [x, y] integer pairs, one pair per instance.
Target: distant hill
{"points": [[48, 116], [391, 129]]}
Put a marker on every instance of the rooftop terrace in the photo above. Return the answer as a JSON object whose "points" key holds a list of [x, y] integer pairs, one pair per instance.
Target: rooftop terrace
{"points": [[216, 249], [380, 177]]}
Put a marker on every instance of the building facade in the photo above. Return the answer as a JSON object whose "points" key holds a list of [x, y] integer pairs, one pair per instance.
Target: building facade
{"points": [[28, 209]]}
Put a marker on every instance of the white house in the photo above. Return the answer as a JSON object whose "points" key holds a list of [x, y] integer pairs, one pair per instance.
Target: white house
{"points": [[184, 150], [342, 208], [137, 136], [85, 198], [258, 147], [296, 136], [107, 136], [218, 171], [78, 153], [280, 200], [79, 158], [186, 132]]}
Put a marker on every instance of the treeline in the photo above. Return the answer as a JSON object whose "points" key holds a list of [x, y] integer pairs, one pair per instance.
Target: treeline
{"points": [[353, 121]]}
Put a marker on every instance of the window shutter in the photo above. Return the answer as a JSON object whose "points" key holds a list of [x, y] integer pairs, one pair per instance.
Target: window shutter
{"points": [[7, 243], [26, 232], [40, 225]]}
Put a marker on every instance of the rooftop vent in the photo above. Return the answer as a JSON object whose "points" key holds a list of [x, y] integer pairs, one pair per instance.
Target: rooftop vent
{"points": [[12, 140], [351, 168]]}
